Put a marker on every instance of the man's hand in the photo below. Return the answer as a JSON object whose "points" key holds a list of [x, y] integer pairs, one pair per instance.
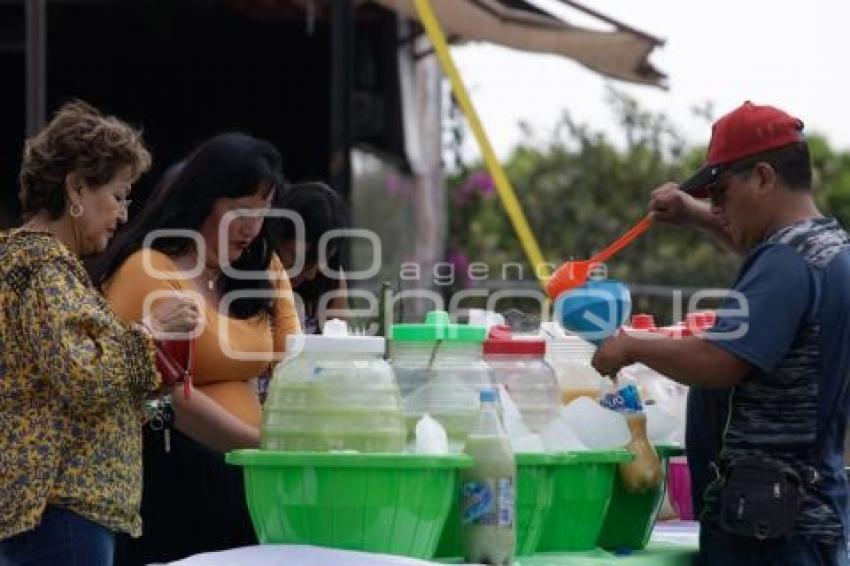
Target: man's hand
{"points": [[613, 355], [668, 204], [690, 360]]}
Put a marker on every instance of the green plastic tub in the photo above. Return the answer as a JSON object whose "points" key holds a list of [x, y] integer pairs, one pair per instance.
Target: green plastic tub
{"points": [[535, 485], [533, 501], [387, 503], [581, 494], [631, 516]]}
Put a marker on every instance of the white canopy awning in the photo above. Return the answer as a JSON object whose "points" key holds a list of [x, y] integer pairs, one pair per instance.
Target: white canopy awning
{"points": [[620, 54]]}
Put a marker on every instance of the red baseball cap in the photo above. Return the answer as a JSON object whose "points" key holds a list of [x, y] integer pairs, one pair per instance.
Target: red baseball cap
{"points": [[748, 130]]}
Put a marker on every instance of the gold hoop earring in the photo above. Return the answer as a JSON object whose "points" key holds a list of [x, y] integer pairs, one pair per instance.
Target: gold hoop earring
{"points": [[76, 210]]}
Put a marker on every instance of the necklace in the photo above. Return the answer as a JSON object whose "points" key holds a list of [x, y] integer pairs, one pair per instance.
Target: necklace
{"points": [[211, 275]]}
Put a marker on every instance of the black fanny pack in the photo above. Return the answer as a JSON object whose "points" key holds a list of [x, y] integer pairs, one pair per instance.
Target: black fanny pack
{"points": [[760, 499]]}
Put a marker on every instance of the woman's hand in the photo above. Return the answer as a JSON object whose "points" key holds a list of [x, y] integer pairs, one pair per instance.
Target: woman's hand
{"points": [[174, 314], [201, 418]]}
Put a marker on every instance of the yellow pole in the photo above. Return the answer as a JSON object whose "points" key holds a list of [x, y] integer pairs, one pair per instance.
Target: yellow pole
{"points": [[503, 185]]}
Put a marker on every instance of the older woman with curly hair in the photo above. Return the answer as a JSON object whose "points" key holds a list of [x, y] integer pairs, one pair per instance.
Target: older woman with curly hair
{"points": [[73, 376]]}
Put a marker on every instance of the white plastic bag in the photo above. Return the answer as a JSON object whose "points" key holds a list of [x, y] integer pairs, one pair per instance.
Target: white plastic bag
{"points": [[431, 437]]}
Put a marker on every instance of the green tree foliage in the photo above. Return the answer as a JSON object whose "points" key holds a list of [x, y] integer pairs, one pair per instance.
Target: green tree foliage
{"points": [[831, 178], [580, 190]]}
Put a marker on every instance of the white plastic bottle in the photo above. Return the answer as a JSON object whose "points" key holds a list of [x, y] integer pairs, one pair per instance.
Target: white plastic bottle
{"points": [[488, 507]]}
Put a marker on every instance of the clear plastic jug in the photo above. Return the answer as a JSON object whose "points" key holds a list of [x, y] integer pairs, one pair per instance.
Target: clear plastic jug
{"points": [[334, 392], [570, 357], [440, 371], [518, 363]]}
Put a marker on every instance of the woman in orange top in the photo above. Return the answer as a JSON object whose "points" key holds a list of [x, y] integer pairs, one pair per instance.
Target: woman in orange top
{"points": [[193, 502]]}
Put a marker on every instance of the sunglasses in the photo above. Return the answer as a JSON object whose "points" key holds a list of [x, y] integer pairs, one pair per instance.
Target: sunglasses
{"points": [[717, 190]]}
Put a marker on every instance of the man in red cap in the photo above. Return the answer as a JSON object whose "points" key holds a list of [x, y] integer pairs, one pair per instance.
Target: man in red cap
{"points": [[768, 404]]}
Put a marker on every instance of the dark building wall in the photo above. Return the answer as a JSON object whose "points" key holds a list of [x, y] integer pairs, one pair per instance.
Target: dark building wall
{"points": [[12, 105], [182, 70]]}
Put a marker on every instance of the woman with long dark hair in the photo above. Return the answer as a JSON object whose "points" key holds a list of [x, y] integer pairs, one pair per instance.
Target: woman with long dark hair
{"points": [[319, 287], [204, 233]]}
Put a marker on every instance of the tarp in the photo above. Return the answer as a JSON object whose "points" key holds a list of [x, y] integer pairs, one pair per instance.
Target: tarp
{"points": [[620, 54]]}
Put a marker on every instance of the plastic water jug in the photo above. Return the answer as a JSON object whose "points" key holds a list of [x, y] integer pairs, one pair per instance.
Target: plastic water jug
{"points": [[440, 371], [334, 392], [518, 363]]}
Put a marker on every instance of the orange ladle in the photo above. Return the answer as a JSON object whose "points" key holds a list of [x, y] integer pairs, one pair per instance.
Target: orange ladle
{"points": [[575, 273]]}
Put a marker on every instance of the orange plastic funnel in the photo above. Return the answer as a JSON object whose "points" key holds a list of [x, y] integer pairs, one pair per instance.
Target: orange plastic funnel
{"points": [[574, 274]]}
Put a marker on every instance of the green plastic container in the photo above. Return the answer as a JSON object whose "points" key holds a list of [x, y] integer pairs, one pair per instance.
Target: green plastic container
{"points": [[440, 369], [535, 485], [438, 327], [533, 501], [631, 516], [581, 494], [386, 503]]}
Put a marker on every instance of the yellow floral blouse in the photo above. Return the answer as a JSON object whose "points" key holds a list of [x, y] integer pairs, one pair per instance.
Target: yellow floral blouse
{"points": [[73, 379]]}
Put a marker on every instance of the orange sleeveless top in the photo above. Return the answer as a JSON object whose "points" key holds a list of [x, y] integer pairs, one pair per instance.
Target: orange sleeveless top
{"points": [[229, 352]]}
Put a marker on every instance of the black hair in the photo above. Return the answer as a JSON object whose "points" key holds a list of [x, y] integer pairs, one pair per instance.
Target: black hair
{"points": [[322, 210], [792, 164], [230, 165], [166, 180]]}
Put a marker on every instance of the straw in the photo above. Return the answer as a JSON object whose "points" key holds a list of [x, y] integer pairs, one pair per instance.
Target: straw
{"points": [[428, 368]]}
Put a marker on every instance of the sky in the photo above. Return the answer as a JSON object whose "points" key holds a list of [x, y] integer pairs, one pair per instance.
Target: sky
{"points": [[794, 54]]}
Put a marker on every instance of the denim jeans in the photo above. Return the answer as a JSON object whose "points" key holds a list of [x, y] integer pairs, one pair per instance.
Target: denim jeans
{"points": [[717, 548], [62, 537]]}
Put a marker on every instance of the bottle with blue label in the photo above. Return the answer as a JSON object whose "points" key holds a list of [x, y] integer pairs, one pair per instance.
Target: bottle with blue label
{"points": [[488, 490], [625, 400], [644, 472]]}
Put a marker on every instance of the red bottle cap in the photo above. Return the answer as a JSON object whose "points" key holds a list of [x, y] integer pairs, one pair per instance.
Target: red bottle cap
{"points": [[698, 322], [678, 330], [643, 322], [709, 318], [502, 341]]}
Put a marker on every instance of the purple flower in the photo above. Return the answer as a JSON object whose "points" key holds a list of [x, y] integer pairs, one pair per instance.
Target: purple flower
{"points": [[483, 182], [460, 263], [478, 182]]}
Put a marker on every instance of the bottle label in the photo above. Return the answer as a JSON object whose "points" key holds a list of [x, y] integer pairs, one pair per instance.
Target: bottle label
{"points": [[625, 400], [488, 502], [507, 502]]}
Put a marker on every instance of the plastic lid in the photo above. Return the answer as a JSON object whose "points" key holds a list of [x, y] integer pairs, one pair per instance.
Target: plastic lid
{"points": [[695, 322], [334, 339], [701, 321], [487, 395], [569, 348], [438, 326], [502, 341], [678, 330], [481, 317], [643, 322]]}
